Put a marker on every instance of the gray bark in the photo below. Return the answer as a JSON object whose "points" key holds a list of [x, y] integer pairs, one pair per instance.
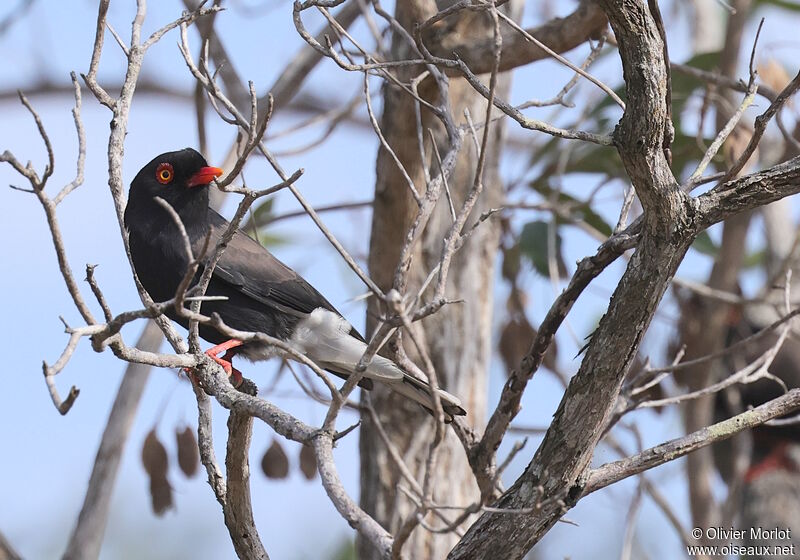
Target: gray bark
{"points": [[458, 337], [555, 479]]}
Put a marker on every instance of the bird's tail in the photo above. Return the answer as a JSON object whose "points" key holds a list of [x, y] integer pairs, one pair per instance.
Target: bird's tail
{"points": [[420, 391], [325, 338]]}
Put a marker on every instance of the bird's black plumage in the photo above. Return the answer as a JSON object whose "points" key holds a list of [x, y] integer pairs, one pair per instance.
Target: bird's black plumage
{"points": [[263, 294], [769, 443]]}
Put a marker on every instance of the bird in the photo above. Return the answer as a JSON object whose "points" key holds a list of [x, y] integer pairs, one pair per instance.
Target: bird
{"points": [[259, 293], [771, 445]]}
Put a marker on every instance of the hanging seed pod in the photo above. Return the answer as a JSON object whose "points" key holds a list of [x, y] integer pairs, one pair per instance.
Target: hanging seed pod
{"points": [[515, 341], [308, 462], [188, 456], [160, 495], [155, 461], [275, 463], [154, 456]]}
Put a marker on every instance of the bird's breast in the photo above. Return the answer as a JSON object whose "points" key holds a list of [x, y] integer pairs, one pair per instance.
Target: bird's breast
{"points": [[159, 264]]}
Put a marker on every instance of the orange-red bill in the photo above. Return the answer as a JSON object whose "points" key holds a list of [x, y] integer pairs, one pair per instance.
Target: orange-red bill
{"points": [[204, 176]]}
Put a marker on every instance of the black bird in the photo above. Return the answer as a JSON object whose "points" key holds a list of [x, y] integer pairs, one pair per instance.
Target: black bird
{"points": [[771, 444], [263, 294]]}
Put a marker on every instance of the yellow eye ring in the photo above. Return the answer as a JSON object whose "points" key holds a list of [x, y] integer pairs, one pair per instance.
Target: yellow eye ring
{"points": [[164, 173]]}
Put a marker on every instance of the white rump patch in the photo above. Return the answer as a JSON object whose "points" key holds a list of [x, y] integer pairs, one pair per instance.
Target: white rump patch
{"points": [[325, 337]]}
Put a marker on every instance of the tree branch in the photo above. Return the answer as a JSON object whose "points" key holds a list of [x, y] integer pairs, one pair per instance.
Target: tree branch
{"points": [[588, 21], [237, 508], [611, 473], [558, 466], [748, 192]]}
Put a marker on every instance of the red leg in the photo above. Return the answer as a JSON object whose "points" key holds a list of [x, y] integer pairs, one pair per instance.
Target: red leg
{"points": [[227, 358], [227, 345], [225, 361]]}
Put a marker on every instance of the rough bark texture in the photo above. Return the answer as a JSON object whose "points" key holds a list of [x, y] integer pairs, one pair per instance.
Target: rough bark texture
{"points": [[237, 508], [458, 337], [567, 449], [557, 476], [553, 480]]}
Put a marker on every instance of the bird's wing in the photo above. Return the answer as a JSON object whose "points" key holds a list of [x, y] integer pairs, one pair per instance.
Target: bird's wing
{"points": [[256, 273]]}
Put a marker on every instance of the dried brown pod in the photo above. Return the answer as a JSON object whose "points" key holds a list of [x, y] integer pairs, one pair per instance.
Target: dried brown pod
{"points": [[188, 456], [308, 462], [774, 74], [515, 340], [275, 463], [155, 461], [160, 495], [154, 456]]}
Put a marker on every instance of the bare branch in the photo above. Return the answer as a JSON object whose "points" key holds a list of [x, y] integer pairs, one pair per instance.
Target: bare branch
{"points": [[748, 192], [588, 21], [578, 70], [76, 114], [721, 137], [62, 406], [205, 442], [482, 456], [618, 470], [761, 125], [237, 508], [355, 516]]}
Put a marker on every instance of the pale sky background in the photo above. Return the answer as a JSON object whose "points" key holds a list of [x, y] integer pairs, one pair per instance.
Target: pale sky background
{"points": [[47, 458]]}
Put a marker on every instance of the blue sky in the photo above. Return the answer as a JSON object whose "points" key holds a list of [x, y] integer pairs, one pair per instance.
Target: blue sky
{"points": [[48, 457]]}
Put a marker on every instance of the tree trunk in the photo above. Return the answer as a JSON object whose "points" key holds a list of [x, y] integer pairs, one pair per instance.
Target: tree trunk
{"points": [[458, 337]]}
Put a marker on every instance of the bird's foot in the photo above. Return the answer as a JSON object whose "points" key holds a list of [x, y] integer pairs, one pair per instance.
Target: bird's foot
{"points": [[226, 361]]}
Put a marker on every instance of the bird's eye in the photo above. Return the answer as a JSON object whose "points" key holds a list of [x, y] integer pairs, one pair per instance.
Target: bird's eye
{"points": [[164, 173]]}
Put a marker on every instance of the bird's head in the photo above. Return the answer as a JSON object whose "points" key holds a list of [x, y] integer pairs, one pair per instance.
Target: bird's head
{"points": [[173, 175], [181, 178]]}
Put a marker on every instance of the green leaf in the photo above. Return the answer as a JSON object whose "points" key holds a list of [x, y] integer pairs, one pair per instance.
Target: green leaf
{"points": [[756, 259], [260, 215], [705, 245], [345, 550], [686, 152], [511, 262], [270, 239], [259, 219], [683, 85], [581, 211], [786, 4], [608, 102], [533, 245]]}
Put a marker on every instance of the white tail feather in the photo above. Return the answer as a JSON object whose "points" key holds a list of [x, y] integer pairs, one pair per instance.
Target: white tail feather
{"points": [[325, 338]]}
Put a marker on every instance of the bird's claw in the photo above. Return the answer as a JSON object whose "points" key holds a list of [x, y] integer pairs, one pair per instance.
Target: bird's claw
{"points": [[225, 361]]}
